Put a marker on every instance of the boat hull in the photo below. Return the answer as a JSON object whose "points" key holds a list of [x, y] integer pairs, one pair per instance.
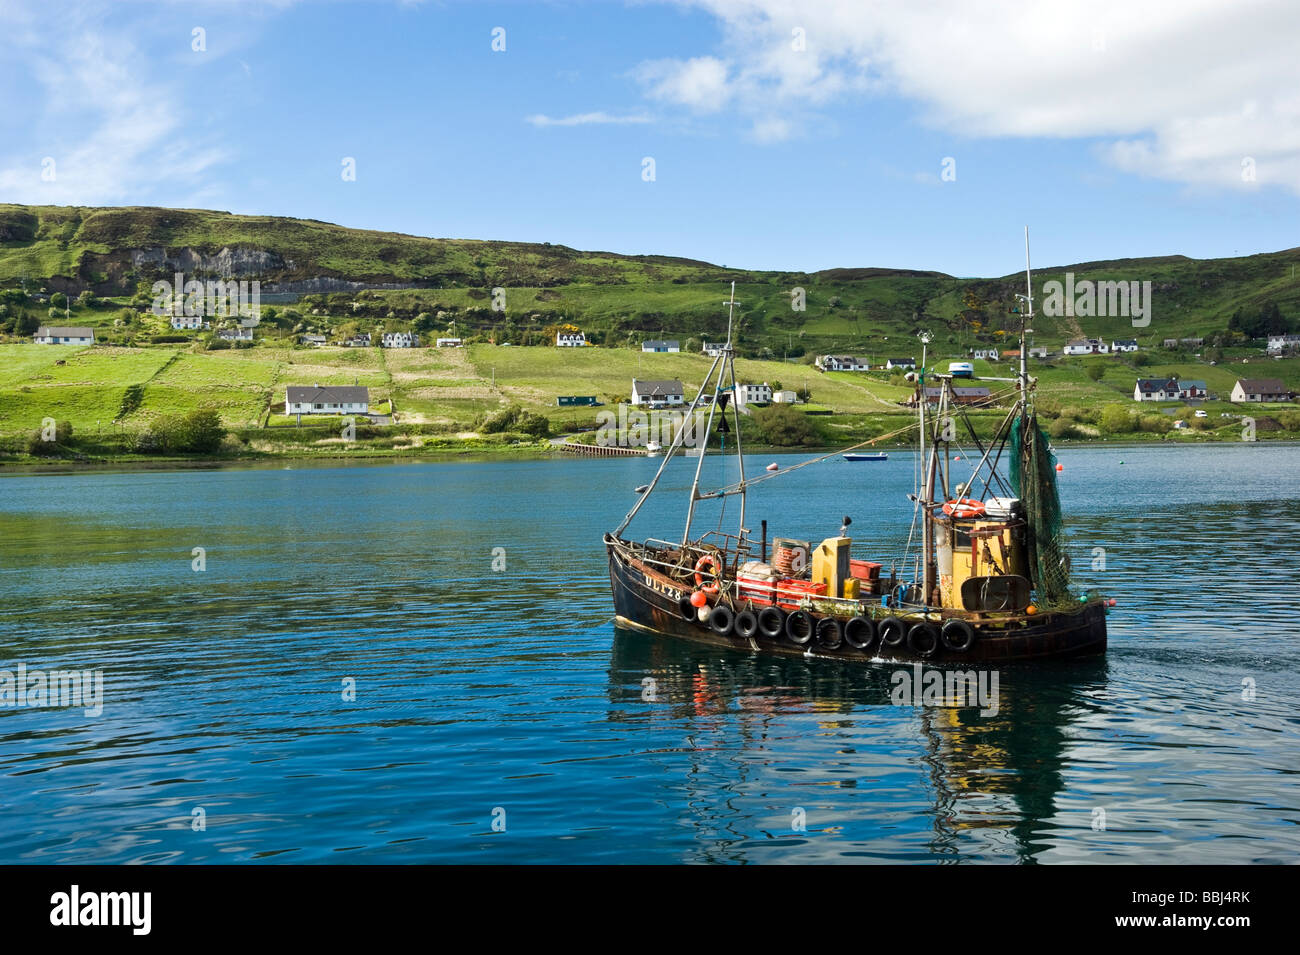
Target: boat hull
{"points": [[646, 601]]}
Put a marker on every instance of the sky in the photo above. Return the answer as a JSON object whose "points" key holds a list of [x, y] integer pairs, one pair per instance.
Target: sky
{"points": [[762, 134]]}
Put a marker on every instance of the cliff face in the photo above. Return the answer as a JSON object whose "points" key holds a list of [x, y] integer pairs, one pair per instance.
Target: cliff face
{"points": [[236, 263]]}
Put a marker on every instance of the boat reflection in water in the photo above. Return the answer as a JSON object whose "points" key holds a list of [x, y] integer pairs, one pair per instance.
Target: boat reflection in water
{"points": [[765, 736]]}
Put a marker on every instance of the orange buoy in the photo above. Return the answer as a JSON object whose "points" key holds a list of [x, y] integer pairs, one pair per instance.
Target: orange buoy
{"points": [[1031, 610], [1060, 467], [698, 599]]}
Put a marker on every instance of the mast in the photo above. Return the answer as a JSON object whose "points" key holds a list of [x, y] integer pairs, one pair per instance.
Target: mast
{"points": [[1024, 323], [927, 489], [728, 360]]}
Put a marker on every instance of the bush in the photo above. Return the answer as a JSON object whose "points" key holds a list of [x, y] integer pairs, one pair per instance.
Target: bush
{"points": [[1140, 359], [515, 419], [1116, 419], [59, 300], [38, 446], [784, 427], [1095, 370], [1063, 428], [1156, 423], [199, 432]]}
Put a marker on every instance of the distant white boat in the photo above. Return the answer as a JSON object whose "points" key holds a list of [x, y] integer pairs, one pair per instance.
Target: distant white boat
{"points": [[653, 447]]}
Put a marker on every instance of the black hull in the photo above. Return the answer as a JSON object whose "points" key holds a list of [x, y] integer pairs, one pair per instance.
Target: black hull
{"points": [[643, 603]]}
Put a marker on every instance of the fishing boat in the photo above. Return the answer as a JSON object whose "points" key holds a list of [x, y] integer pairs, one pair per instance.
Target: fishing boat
{"points": [[984, 577], [865, 456]]}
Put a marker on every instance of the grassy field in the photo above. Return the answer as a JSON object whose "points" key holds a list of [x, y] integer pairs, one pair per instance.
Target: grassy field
{"points": [[438, 396]]}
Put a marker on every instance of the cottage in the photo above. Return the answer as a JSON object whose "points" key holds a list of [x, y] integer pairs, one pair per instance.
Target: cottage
{"points": [[753, 394], [655, 393], [64, 335], [450, 343], [359, 341], [1038, 351], [1156, 389], [239, 334], [658, 346], [900, 363], [841, 363], [313, 340], [1192, 390], [1259, 389], [400, 340], [1124, 344], [1086, 346], [784, 398], [1170, 343], [1191, 342], [326, 399], [188, 322], [1279, 344], [570, 340]]}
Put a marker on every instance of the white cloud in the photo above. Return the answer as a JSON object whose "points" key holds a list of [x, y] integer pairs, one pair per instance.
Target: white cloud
{"points": [[1181, 89], [112, 134], [586, 119]]}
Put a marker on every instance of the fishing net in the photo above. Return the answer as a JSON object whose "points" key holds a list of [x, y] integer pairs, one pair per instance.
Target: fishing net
{"points": [[1033, 478]]}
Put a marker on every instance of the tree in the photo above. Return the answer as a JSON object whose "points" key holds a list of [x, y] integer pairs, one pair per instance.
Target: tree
{"points": [[59, 300]]}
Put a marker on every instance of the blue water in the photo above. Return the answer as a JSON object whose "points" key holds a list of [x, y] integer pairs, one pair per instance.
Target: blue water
{"points": [[487, 695]]}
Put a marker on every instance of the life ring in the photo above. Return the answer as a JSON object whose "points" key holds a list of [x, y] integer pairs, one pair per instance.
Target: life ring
{"points": [[712, 562], [923, 640], [721, 620], [964, 507], [771, 622], [958, 635], [829, 633], [860, 633], [892, 632], [746, 624], [799, 627]]}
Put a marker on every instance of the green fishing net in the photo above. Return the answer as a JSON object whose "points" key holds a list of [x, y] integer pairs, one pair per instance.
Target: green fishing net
{"points": [[1033, 478]]}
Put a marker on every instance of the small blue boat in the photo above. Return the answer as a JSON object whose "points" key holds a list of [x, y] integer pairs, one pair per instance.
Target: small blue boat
{"points": [[866, 456]]}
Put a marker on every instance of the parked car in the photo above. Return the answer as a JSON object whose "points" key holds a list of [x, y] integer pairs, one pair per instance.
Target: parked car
{"points": [[1202, 413]]}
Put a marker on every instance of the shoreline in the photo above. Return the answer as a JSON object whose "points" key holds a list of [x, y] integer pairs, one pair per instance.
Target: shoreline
{"points": [[31, 465]]}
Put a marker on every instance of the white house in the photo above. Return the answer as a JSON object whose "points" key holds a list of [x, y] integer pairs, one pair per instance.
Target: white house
{"points": [[570, 340], [1037, 351], [1156, 389], [359, 341], [449, 343], [784, 397], [1086, 346], [1124, 344], [900, 363], [1259, 389], [312, 339], [64, 335], [326, 399], [400, 340], [239, 334], [987, 354], [753, 394], [1277, 344], [189, 322], [1192, 390], [712, 349], [657, 392], [841, 363], [661, 346]]}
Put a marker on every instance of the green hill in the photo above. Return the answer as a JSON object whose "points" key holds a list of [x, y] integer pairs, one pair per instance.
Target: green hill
{"points": [[616, 299]]}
